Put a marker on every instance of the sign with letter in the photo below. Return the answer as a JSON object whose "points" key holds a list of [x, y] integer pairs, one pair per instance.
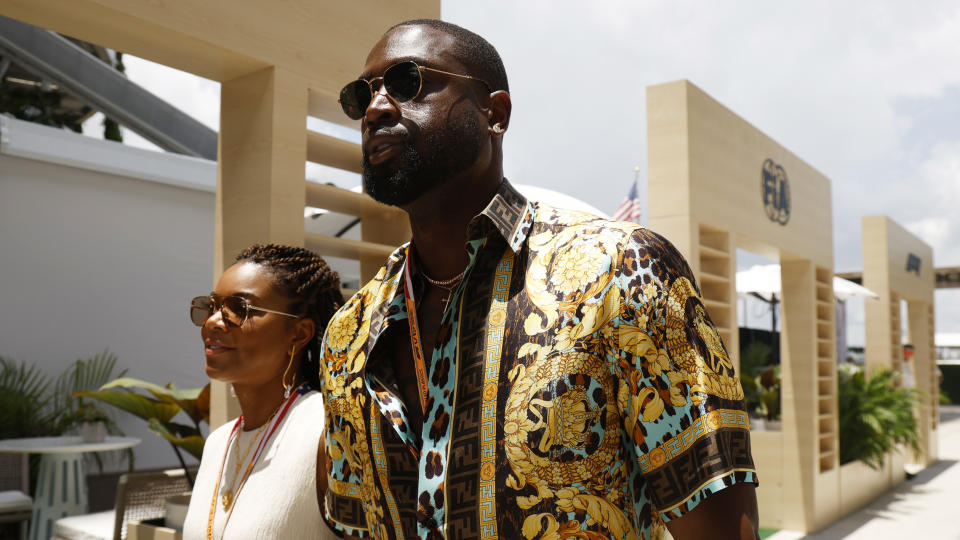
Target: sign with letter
{"points": [[776, 192]]}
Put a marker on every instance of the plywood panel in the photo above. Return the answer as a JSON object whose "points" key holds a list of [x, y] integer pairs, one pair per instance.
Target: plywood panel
{"points": [[767, 448], [897, 265], [727, 155]]}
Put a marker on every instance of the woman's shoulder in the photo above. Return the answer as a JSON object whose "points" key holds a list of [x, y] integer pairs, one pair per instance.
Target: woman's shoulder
{"points": [[219, 436], [310, 404]]}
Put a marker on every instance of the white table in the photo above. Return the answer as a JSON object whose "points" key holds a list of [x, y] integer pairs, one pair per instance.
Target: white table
{"points": [[62, 482]]}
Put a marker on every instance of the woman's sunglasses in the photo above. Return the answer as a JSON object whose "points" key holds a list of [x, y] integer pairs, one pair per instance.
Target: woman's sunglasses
{"points": [[402, 81], [233, 309]]}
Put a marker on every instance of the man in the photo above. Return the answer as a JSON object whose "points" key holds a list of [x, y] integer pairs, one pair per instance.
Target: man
{"points": [[517, 371]]}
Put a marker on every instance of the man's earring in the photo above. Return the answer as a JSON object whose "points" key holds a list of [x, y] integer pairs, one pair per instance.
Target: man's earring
{"points": [[497, 130]]}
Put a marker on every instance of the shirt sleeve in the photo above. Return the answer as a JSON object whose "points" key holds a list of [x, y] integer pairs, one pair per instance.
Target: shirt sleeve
{"points": [[684, 406]]}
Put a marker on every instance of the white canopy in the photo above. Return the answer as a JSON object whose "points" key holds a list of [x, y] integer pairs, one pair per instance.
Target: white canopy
{"points": [[332, 223], [764, 280]]}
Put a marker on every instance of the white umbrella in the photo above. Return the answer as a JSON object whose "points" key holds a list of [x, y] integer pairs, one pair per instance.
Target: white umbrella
{"points": [[844, 289], [764, 281], [557, 199]]}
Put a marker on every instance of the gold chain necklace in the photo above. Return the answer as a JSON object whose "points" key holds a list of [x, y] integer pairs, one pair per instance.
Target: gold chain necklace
{"points": [[443, 284], [448, 285], [229, 495], [226, 499]]}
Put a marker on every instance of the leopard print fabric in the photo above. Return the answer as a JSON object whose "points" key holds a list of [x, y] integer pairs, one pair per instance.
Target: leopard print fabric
{"points": [[579, 389]]}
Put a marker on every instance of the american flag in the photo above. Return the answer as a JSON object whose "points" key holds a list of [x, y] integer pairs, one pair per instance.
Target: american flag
{"points": [[630, 209]]}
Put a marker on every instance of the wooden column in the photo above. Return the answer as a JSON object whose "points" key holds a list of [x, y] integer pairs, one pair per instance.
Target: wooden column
{"points": [[260, 181], [924, 374], [798, 392]]}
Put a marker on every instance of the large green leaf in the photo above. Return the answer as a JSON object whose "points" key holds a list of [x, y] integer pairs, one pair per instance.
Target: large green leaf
{"points": [[135, 404], [193, 444], [195, 402]]}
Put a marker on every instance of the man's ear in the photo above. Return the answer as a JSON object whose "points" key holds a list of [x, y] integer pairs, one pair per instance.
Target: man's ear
{"points": [[498, 112]]}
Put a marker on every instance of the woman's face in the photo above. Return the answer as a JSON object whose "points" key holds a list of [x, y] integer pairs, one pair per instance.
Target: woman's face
{"points": [[257, 351]]}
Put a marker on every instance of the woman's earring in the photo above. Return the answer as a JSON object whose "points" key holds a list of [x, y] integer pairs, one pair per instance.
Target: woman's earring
{"points": [[283, 380], [497, 130], [233, 391]]}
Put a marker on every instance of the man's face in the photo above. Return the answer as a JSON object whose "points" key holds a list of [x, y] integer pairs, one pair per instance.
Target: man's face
{"points": [[410, 148]]}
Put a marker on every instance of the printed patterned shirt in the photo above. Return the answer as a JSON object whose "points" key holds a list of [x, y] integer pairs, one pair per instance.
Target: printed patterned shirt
{"points": [[578, 388]]}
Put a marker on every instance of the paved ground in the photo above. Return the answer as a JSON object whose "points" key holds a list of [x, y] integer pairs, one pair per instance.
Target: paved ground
{"points": [[924, 508]]}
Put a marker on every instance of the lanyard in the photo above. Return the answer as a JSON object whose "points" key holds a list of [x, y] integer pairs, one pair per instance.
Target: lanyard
{"points": [[235, 432], [416, 346]]}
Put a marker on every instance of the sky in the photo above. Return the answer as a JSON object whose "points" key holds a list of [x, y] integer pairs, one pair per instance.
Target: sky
{"points": [[868, 93]]}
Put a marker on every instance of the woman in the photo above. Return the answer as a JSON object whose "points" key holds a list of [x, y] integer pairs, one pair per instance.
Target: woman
{"points": [[262, 475]]}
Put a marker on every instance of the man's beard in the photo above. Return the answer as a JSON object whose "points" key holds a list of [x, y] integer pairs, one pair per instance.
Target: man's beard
{"points": [[447, 153]]}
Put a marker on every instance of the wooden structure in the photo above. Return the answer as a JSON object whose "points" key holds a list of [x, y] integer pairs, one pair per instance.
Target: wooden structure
{"points": [[717, 183], [277, 64], [899, 267]]}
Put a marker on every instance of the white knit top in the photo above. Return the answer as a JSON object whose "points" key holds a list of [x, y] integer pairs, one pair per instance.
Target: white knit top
{"points": [[279, 499]]}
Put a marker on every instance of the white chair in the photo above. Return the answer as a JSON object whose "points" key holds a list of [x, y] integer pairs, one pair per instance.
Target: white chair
{"points": [[140, 497], [15, 504]]}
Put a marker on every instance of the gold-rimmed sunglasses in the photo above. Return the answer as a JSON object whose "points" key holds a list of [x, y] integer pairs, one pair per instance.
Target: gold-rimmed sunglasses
{"points": [[402, 81], [233, 309]]}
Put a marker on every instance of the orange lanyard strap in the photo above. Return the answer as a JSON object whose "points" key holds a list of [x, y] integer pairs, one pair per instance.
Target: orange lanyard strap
{"points": [[415, 345]]}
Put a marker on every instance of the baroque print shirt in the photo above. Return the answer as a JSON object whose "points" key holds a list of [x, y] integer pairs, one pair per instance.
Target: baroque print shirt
{"points": [[578, 389]]}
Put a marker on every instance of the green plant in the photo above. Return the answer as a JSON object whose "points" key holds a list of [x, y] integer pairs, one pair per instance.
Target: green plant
{"points": [[31, 405], [760, 381], [84, 374], [875, 415], [24, 401], [158, 407]]}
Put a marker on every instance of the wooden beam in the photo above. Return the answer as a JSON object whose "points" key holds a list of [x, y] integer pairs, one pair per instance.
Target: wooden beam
{"points": [[346, 248], [334, 152], [345, 201]]}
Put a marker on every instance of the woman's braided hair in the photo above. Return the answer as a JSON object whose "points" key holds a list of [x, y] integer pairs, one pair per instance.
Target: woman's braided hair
{"points": [[303, 275]]}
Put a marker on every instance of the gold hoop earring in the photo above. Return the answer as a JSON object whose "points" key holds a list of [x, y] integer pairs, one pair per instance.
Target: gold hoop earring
{"points": [[287, 388]]}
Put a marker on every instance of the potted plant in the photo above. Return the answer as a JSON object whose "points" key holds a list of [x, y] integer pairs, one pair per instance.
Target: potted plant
{"points": [[93, 423], [159, 406], [874, 415]]}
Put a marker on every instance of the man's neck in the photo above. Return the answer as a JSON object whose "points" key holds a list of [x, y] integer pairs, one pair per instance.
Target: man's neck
{"points": [[439, 222]]}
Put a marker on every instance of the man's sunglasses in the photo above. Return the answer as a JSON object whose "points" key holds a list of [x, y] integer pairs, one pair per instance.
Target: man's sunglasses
{"points": [[402, 81], [233, 309]]}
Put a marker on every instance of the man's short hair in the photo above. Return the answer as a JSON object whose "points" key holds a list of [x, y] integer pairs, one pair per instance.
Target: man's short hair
{"points": [[477, 53]]}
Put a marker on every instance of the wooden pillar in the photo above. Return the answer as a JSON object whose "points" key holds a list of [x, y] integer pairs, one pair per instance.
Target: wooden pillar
{"points": [[881, 315], [260, 181], [800, 407], [924, 374]]}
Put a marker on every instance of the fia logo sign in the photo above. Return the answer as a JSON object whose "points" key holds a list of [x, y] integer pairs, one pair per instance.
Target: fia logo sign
{"points": [[776, 192], [913, 263]]}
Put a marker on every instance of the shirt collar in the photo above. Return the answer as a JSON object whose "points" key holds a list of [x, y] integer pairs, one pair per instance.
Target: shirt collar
{"points": [[509, 213]]}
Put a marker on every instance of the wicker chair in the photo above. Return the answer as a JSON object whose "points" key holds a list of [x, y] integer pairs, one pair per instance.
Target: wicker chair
{"points": [[15, 504], [140, 496]]}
